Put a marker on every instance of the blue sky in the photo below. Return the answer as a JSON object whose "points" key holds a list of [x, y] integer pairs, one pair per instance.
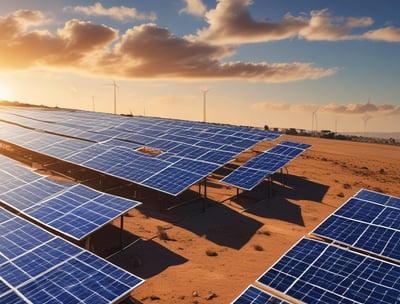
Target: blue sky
{"points": [[264, 62]]}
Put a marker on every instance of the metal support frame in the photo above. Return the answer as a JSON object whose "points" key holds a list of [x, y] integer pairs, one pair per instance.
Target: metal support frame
{"points": [[205, 195], [87, 243], [121, 233]]}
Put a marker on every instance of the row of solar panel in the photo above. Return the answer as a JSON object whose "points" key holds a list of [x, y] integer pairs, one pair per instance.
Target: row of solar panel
{"points": [[38, 267], [74, 210], [316, 272], [171, 172], [368, 221], [142, 130], [264, 164]]}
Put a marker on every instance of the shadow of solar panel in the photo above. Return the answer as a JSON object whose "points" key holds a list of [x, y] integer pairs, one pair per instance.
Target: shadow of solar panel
{"points": [[373, 227], [42, 268], [254, 295], [316, 272]]}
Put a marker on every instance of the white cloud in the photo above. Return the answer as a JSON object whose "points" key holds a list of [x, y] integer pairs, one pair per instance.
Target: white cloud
{"points": [[142, 52], [351, 108], [194, 7], [121, 13], [232, 23]]}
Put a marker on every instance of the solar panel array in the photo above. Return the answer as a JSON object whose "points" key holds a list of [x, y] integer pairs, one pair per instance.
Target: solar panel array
{"points": [[74, 210], [255, 295], [369, 221], [190, 150], [264, 164], [38, 267], [316, 272]]}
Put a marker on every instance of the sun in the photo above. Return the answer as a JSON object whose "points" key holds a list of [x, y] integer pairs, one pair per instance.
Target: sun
{"points": [[5, 92]]}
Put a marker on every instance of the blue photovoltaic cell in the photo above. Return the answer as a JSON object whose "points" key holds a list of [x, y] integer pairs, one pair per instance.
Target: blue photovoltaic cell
{"points": [[374, 227], [209, 143], [378, 198], [247, 178], [267, 162], [285, 151], [74, 210], [316, 272], [262, 165], [198, 167], [217, 157], [172, 180], [39, 267], [254, 295], [295, 144]]}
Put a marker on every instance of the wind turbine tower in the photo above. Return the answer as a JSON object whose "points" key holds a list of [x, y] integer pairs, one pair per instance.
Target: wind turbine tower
{"points": [[365, 119], [205, 91], [314, 121], [115, 94]]}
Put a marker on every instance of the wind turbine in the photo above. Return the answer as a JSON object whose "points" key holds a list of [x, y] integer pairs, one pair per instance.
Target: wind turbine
{"points": [[314, 120], [365, 119], [204, 102], [115, 94]]}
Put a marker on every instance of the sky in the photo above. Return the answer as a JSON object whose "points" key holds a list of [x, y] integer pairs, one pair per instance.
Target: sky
{"points": [[310, 64]]}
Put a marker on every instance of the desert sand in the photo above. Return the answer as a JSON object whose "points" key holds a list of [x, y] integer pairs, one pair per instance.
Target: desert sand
{"points": [[190, 256]]}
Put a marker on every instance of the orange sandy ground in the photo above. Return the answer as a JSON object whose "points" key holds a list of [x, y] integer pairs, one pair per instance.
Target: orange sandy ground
{"points": [[176, 267]]}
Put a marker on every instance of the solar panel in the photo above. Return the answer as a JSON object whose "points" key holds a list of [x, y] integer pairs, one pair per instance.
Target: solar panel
{"points": [[246, 178], [75, 211], [379, 198], [255, 295], [198, 167], [366, 225], [295, 145], [38, 267], [172, 180], [194, 141], [316, 272], [263, 165]]}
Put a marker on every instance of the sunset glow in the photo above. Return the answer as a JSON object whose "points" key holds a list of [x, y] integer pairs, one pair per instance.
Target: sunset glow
{"points": [[265, 62]]}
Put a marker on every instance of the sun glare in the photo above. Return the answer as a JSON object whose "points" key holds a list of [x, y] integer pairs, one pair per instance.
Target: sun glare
{"points": [[5, 93]]}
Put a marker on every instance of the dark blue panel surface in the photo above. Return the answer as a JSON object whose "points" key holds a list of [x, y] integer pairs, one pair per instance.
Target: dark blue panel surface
{"points": [[44, 268], [262, 165], [217, 144], [254, 295], [316, 272], [365, 224], [172, 180], [245, 178], [74, 210]]}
